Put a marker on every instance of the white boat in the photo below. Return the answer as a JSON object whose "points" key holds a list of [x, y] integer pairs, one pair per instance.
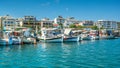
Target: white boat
{"points": [[107, 37], [6, 41], [94, 35], [106, 34], [53, 40], [69, 37], [2, 42], [25, 41], [50, 35], [28, 37], [28, 40], [85, 36], [16, 40]]}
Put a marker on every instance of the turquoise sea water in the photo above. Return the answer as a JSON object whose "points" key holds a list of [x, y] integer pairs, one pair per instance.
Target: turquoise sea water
{"points": [[84, 54]]}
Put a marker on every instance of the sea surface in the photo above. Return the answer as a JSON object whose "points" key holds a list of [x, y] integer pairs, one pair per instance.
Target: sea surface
{"points": [[84, 54]]}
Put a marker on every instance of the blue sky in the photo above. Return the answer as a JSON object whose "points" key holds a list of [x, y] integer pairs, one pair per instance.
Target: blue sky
{"points": [[80, 9]]}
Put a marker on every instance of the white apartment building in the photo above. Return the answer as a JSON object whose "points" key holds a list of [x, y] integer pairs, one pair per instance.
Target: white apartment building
{"points": [[107, 24], [86, 23], [10, 22], [46, 22], [70, 21], [19, 22], [59, 20], [3, 18]]}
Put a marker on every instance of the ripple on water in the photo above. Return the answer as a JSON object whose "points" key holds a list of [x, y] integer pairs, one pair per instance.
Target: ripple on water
{"points": [[84, 54]]}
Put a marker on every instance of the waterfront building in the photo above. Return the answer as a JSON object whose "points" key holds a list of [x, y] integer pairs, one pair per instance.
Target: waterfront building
{"points": [[59, 20], [3, 18], [29, 21], [106, 24], [86, 23], [70, 21], [19, 22], [118, 23], [46, 22], [10, 23]]}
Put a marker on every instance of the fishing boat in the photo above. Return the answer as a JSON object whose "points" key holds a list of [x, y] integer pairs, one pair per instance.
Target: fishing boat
{"points": [[94, 35], [6, 41], [28, 37], [2, 42], [69, 36], [106, 34], [16, 40], [51, 35], [85, 36]]}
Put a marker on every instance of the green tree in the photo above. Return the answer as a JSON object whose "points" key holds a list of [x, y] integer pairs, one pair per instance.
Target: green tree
{"points": [[60, 25], [94, 27], [80, 27], [72, 26]]}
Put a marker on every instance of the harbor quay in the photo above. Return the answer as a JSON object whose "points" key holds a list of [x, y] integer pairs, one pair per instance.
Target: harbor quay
{"points": [[29, 30], [54, 35]]}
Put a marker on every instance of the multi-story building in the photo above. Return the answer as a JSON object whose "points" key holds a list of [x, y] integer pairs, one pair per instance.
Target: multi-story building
{"points": [[70, 21], [107, 24], [46, 23], [8, 22], [29, 21], [118, 23], [19, 22], [59, 20], [11, 23], [3, 18], [86, 23]]}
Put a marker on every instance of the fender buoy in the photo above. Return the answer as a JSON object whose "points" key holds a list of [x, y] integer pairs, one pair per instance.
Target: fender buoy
{"points": [[65, 38]]}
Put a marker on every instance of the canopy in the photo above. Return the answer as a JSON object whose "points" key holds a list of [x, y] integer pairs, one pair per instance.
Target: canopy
{"points": [[67, 31]]}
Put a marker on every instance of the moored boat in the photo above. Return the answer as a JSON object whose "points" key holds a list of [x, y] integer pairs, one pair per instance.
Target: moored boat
{"points": [[50, 35], [69, 37], [16, 40], [3, 42], [85, 36], [94, 35], [106, 34]]}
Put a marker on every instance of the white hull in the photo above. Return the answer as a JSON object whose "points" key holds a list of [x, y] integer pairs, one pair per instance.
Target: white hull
{"points": [[71, 39], [52, 40], [107, 37], [85, 38], [2, 42], [28, 40], [16, 42], [5, 42], [94, 37]]}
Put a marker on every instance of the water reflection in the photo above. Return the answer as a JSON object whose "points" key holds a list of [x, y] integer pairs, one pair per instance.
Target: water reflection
{"points": [[10, 48]]}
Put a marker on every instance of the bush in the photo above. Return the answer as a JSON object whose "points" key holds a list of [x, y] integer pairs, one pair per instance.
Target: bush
{"points": [[72, 26]]}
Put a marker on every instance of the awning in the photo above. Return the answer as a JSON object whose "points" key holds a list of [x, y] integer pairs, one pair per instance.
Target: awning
{"points": [[67, 31]]}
